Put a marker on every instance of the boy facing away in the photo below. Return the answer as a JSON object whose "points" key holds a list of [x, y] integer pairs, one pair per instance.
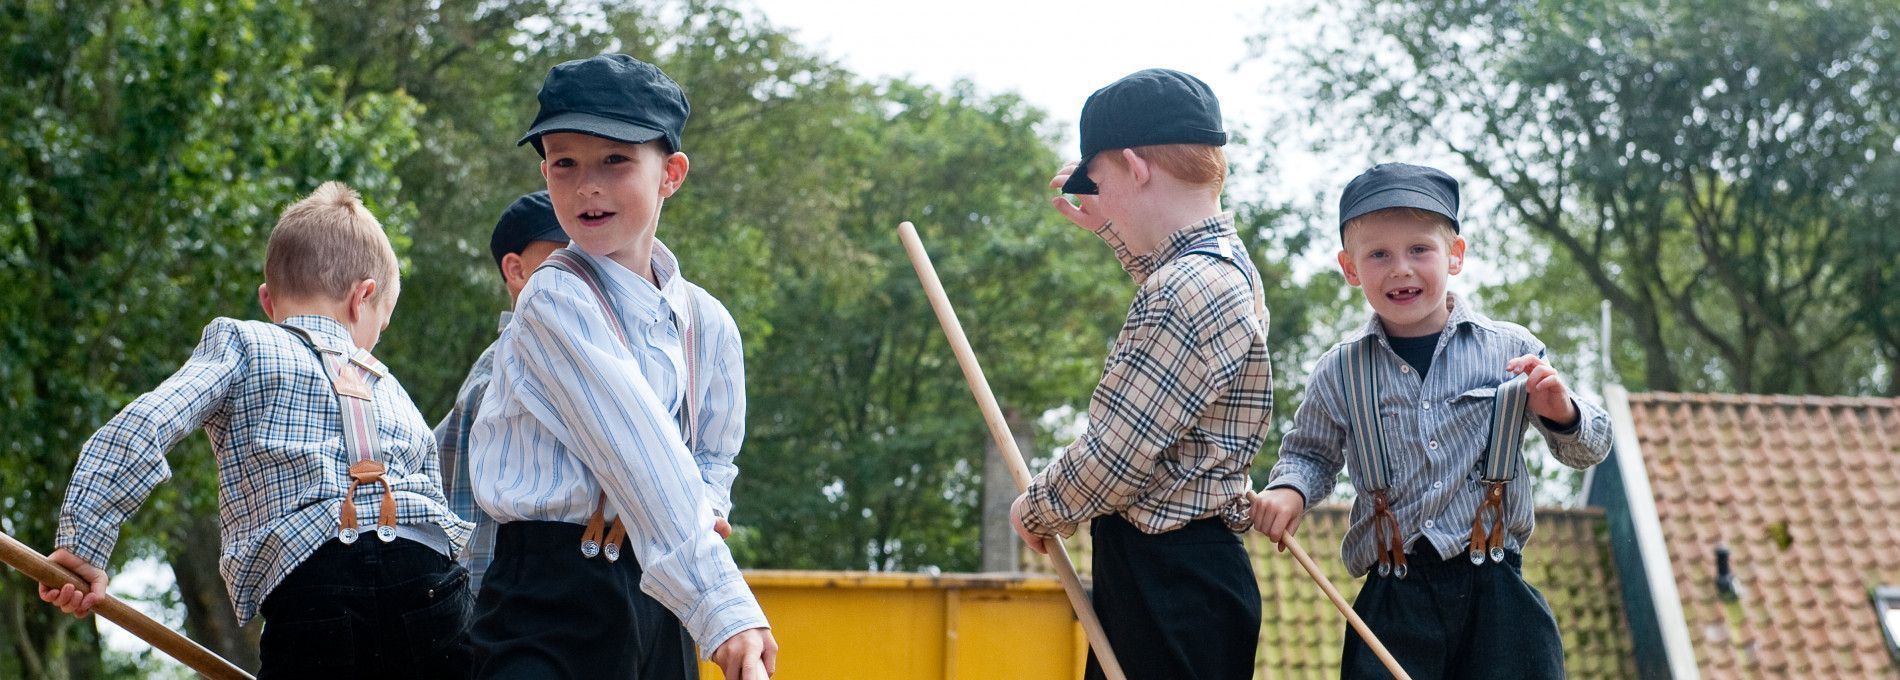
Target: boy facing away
{"points": [[1185, 396], [1426, 409], [329, 498], [618, 399]]}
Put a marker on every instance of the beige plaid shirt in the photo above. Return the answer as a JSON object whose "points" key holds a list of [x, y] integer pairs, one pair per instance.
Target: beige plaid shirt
{"points": [[1185, 397]]}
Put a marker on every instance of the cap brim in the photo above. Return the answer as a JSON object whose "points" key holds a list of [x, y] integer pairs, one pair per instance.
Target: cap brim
{"points": [[1079, 183], [1398, 197], [552, 234], [590, 124]]}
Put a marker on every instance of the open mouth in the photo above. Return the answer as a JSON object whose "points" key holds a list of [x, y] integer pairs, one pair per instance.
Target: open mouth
{"points": [[1404, 295], [595, 218]]}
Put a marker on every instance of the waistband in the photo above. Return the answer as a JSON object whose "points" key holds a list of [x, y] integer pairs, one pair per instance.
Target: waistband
{"points": [[550, 538]]}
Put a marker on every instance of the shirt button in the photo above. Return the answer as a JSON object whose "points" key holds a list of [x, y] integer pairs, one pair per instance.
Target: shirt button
{"points": [[1429, 524], [1438, 485], [1433, 444], [1405, 369], [1427, 406]]}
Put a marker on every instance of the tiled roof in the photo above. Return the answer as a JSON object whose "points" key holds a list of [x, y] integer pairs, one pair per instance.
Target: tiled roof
{"points": [[1301, 633], [1805, 492]]}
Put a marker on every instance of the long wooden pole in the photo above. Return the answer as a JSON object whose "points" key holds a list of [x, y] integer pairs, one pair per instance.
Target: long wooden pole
{"points": [[1005, 442], [1352, 617], [36, 566]]}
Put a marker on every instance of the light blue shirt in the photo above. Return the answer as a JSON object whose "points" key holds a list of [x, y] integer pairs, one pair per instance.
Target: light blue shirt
{"points": [[571, 411]]}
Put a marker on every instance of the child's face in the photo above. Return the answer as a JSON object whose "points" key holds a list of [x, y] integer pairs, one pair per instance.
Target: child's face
{"points": [[608, 194], [1403, 264]]}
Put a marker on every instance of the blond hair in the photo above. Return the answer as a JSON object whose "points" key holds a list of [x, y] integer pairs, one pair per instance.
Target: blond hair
{"points": [[324, 244], [1445, 230], [1202, 165]]}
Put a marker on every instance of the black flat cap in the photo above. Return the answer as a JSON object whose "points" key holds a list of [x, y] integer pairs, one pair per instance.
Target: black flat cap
{"points": [[1399, 185], [613, 96], [530, 218], [1154, 106]]}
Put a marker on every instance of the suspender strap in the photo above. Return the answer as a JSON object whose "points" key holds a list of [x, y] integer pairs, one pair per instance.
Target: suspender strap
{"points": [[1503, 456], [1367, 448], [353, 380], [599, 538]]}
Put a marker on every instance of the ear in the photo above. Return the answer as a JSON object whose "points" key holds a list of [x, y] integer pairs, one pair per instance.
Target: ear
{"points": [[676, 168], [544, 171], [360, 294], [512, 270], [1457, 254], [263, 298], [1345, 267], [1137, 166]]}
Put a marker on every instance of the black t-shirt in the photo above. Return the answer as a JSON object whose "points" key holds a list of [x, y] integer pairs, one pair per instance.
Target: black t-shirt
{"points": [[1416, 351]]}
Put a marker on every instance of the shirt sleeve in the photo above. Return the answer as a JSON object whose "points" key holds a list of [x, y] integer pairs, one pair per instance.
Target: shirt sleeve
{"points": [[1162, 378], [582, 383], [122, 462], [1313, 452], [721, 423]]}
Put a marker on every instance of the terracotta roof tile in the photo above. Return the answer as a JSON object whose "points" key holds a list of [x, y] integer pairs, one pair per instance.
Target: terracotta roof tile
{"points": [[1805, 491]]}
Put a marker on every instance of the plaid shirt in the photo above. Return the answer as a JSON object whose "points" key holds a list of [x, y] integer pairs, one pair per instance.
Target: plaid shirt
{"points": [[1184, 401], [451, 440], [262, 396], [1436, 431]]}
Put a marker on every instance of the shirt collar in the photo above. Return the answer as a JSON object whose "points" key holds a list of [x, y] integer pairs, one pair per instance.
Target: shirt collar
{"points": [[507, 316], [331, 333], [1145, 265], [1461, 314], [640, 293]]}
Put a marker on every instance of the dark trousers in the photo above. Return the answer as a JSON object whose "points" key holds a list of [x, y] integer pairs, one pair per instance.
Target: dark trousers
{"points": [[547, 612], [1453, 619], [368, 610], [1181, 605]]}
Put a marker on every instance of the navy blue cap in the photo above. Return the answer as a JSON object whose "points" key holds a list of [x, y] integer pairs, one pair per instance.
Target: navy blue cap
{"points": [[613, 96], [530, 218], [1399, 185], [1144, 108]]}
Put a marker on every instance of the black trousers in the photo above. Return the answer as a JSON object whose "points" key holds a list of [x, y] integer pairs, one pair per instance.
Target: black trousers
{"points": [[1453, 619], [368, 610], [1181, 605], [545, 611]]}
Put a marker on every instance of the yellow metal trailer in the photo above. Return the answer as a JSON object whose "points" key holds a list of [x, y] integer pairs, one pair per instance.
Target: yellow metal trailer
{"points": [[837, 625]]}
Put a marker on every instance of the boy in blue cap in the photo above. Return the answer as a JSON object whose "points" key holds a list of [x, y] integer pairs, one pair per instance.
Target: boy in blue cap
{"points": [[1426, 407], [524, 237], [618, 398], [1160, 475]]}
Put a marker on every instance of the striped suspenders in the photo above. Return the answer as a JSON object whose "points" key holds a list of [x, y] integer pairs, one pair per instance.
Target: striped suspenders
{"points": [[1503, 456], [354, 378], [568, 261]]}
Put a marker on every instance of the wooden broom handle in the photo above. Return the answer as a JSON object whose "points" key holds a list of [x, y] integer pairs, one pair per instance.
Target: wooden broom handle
{"points": [[1005, 442], [1352, 617], [36, 566]]}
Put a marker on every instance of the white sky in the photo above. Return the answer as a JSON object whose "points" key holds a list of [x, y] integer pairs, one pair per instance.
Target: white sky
{"points": [[1055, 54]]}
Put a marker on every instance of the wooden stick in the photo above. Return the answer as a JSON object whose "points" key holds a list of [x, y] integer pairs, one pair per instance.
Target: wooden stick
{"points": [[1005, 442], [36, 566], [1352, 617]]}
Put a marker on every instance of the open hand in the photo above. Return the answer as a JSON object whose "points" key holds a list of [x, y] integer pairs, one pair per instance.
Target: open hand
{"points": [[68, 598], [1548, 396], [1084, 215], [752, 654]]}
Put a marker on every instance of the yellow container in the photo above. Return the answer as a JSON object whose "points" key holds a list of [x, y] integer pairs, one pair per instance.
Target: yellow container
{"points": [[834, 625]]}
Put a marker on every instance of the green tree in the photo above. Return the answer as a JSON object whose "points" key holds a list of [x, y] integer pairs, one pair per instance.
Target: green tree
{"points": [[1705, 166], [146, 153]]}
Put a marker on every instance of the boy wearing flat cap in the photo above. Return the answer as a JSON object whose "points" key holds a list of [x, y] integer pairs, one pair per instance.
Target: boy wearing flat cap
{"points": [[614, 415], [523, 238], [1426, 408], [1185, 396]]}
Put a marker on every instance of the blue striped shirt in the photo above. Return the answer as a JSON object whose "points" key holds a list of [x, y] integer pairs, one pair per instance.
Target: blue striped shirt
{"points": [[451, 440], [262, 396], [1435, 434], [571, 412]]}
